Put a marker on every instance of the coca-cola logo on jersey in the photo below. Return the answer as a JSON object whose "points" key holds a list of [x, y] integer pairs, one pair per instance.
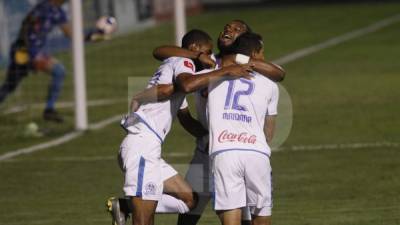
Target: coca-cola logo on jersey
{"points": [[244, 137]]}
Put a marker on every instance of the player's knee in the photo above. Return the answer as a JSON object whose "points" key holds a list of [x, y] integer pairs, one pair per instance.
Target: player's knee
{"points": [[58, 71]]}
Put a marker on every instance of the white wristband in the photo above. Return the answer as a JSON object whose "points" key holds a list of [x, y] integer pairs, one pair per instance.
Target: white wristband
{"points": [[242, 59]]}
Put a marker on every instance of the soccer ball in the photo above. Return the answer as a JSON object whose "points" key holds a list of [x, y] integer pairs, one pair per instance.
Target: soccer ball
{"points": [[106, 24], [32, 130]]}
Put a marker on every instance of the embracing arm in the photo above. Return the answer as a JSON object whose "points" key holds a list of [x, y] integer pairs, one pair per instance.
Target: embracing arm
{"points": [[163, 52], [156, 93], [188, 83], [190, 124], [269, 70]]}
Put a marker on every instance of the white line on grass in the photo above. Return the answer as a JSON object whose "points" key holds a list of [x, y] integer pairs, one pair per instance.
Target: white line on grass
{"points": [[338, 40], [61, 105], [283, 60], [65, 138], [58, 141], [340, 146]]}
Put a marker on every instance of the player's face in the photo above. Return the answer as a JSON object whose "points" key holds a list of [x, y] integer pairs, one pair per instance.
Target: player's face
{"points": [[206, 48], [231, 31]]}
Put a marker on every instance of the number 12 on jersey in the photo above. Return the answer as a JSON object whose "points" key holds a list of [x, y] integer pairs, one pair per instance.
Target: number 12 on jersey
{"points": [[233, 96]]}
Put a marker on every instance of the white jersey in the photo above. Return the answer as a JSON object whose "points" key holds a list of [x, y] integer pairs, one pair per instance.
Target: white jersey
{"points": [[200, 98], [236, 112], [158, 116]]}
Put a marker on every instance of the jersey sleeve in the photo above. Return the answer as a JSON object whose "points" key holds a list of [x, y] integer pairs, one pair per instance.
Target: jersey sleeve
{"points": [[272, 108], [184, 65], [184, 104]]}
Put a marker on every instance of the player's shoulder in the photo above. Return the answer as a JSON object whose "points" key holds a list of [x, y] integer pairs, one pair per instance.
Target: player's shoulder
{"points": [[181, 63], [263, 83], [204, 71], [176, 59], [264, 80]]}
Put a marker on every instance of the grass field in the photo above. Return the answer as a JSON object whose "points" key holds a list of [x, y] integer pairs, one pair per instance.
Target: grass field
{"points": [[341, 95]]}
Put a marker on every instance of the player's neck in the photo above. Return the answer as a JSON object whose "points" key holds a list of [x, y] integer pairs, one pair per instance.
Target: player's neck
{"points": [[228, 60]]}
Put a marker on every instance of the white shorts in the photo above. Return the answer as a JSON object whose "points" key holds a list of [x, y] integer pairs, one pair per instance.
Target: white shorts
{"points": [[242, 179], [144, 169], [198, 176]]}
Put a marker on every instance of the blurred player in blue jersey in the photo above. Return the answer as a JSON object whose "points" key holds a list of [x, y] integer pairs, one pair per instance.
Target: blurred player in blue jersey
{"points": [[27, 53]]}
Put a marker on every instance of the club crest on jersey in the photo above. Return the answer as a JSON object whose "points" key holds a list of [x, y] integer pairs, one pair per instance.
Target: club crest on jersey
{"points": [[244, 137], [150, 188], [189, 65]]}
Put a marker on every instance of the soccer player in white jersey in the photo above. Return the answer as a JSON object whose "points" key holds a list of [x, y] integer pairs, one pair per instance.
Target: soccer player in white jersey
{"points": [[140, 152], [239, 150]]}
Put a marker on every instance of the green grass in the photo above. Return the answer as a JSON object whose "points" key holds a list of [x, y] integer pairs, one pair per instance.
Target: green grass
{"points": [[345, 94]]}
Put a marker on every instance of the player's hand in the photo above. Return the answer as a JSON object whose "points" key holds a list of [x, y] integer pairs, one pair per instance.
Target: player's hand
{"points": [[239, 71], [96, 36], [206, 61], [134, 105]]}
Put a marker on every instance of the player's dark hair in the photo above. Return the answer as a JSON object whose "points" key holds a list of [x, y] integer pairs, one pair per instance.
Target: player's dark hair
{"points": [[195, 36], [248, 28], [247, 43]]}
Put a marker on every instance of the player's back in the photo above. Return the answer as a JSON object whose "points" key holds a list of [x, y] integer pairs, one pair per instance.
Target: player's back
{"points": [[237, 110], [158, 116]]}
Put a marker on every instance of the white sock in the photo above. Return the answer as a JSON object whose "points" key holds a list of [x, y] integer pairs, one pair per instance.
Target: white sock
{"points": [[169, 204]]}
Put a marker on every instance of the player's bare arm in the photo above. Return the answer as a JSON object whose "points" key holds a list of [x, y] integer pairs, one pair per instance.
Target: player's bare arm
{"points": [[269, 127], [188, 83], [190, 124], [163, 52], [269, 70], [156, 93]]}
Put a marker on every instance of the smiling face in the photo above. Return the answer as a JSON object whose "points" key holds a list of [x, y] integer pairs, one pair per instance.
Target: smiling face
{"points": [[231, 31]]}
